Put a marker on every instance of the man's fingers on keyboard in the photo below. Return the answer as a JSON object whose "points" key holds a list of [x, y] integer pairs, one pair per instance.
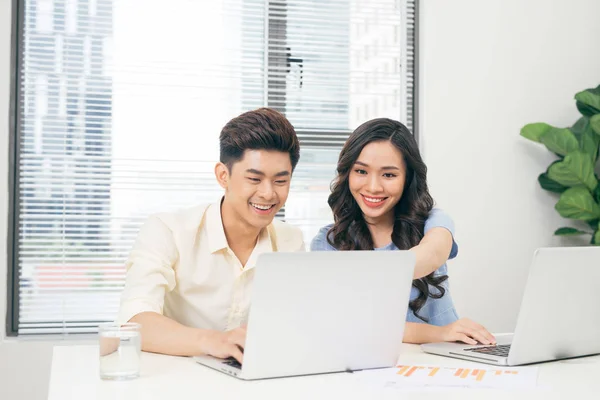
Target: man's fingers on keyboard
{"points": [[237, 353], [238, 337]]}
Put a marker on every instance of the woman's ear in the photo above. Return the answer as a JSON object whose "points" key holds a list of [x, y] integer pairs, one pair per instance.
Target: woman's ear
{"points": [[222, 174]]}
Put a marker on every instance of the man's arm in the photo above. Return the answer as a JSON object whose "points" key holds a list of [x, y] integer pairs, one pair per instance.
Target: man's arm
{"points": [[166, 336], [150, 275]]}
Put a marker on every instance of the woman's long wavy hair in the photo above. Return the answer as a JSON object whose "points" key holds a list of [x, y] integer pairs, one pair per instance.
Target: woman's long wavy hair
{"points": [[350, 230]]}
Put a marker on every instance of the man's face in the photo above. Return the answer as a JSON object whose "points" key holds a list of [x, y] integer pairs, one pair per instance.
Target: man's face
{"points": [[257, 186]]}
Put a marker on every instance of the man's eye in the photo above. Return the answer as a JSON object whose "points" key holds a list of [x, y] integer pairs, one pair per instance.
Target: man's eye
{"points": [[281, 182], [254, 179]]}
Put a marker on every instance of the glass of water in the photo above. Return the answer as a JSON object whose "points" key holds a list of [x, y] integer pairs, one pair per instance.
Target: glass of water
{"points": [[120, 350]]}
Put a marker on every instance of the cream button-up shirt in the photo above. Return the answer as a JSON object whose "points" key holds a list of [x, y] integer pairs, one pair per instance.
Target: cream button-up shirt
{"points": [[182, 267]]}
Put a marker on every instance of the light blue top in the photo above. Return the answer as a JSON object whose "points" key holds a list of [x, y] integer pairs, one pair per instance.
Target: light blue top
{"points": [[437, 311]]}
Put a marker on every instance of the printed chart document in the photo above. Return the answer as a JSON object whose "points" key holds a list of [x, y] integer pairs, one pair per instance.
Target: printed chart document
{"points": [[419, 376]]}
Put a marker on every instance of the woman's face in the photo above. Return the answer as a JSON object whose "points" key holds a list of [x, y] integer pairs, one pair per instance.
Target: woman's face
{"points": [[377, 179]]}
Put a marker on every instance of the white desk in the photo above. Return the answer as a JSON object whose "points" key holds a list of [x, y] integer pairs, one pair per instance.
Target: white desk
{"points": [[74, 375]]}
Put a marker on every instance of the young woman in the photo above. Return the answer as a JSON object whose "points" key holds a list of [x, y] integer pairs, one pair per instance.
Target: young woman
{"points": [[380, 201]]}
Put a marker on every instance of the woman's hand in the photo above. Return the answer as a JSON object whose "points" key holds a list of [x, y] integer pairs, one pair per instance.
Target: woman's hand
{"points": [[467, 331]]}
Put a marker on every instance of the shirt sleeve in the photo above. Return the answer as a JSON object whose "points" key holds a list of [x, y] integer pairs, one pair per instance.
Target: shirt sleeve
{"points": [[150, 272], [439, 219], [320, 243]]}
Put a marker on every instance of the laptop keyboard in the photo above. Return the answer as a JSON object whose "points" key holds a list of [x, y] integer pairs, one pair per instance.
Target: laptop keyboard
{"points": [[232, 362], [498, 351]]}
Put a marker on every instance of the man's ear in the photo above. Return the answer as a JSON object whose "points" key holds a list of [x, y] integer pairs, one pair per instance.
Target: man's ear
{"points": [[222, 174]]}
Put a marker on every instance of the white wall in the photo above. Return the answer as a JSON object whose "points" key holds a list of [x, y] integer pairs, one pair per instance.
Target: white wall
{"points": [[488, 68]]}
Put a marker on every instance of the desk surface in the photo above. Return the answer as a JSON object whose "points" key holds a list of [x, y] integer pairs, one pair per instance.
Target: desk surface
{"points": [[74, 375]]}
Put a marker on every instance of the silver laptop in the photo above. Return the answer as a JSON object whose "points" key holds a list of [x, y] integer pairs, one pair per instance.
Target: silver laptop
{"points": [[559, 316], [322, 312]]}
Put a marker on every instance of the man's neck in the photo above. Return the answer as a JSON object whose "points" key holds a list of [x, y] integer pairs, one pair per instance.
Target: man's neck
{"points": [[241, 237]]}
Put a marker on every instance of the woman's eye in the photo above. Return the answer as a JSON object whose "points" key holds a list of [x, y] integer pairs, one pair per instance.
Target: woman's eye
{"points": [[360, 171], [389, 175]]}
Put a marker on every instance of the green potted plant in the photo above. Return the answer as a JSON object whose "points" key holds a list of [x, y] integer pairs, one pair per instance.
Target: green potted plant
{"points": [[573, 174]]}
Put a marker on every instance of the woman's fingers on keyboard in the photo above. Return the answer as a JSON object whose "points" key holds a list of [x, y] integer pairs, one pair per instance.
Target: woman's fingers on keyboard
{"points": [[477, 331], [466, 331]]}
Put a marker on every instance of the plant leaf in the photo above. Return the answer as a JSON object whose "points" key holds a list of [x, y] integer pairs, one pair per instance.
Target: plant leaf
{"points": [[535, 131], [569, 232], [576, 169], [589, 144], [560, 141], [580, 126], [550, 185], [596, 236], [577, 203], [597, 194], [588, 140], [586, 110], [588, 101], [595, 123]]}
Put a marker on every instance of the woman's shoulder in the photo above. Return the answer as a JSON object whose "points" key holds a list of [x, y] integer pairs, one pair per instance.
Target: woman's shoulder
{"points": [[319, 242]]}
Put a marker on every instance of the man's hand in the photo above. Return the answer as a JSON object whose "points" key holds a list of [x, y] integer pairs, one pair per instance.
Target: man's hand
{"points": [[467, 331], [225, 344]]}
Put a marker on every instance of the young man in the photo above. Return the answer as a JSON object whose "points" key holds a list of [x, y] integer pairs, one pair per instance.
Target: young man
{"points": [[190, 272]]}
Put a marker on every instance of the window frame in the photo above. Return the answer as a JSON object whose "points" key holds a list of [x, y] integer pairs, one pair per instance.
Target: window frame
{"points": [[12, 249]]}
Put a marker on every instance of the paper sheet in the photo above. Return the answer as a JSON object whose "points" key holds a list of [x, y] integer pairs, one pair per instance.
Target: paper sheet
{"points": [[432, 376]]}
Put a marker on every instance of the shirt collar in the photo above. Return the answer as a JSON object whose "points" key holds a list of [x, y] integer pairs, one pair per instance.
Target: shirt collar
{"points": [[218, 241], [214, 227]]}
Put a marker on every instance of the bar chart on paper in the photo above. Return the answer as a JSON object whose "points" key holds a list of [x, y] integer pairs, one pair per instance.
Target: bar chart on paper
{"points": [[406, 376]]}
